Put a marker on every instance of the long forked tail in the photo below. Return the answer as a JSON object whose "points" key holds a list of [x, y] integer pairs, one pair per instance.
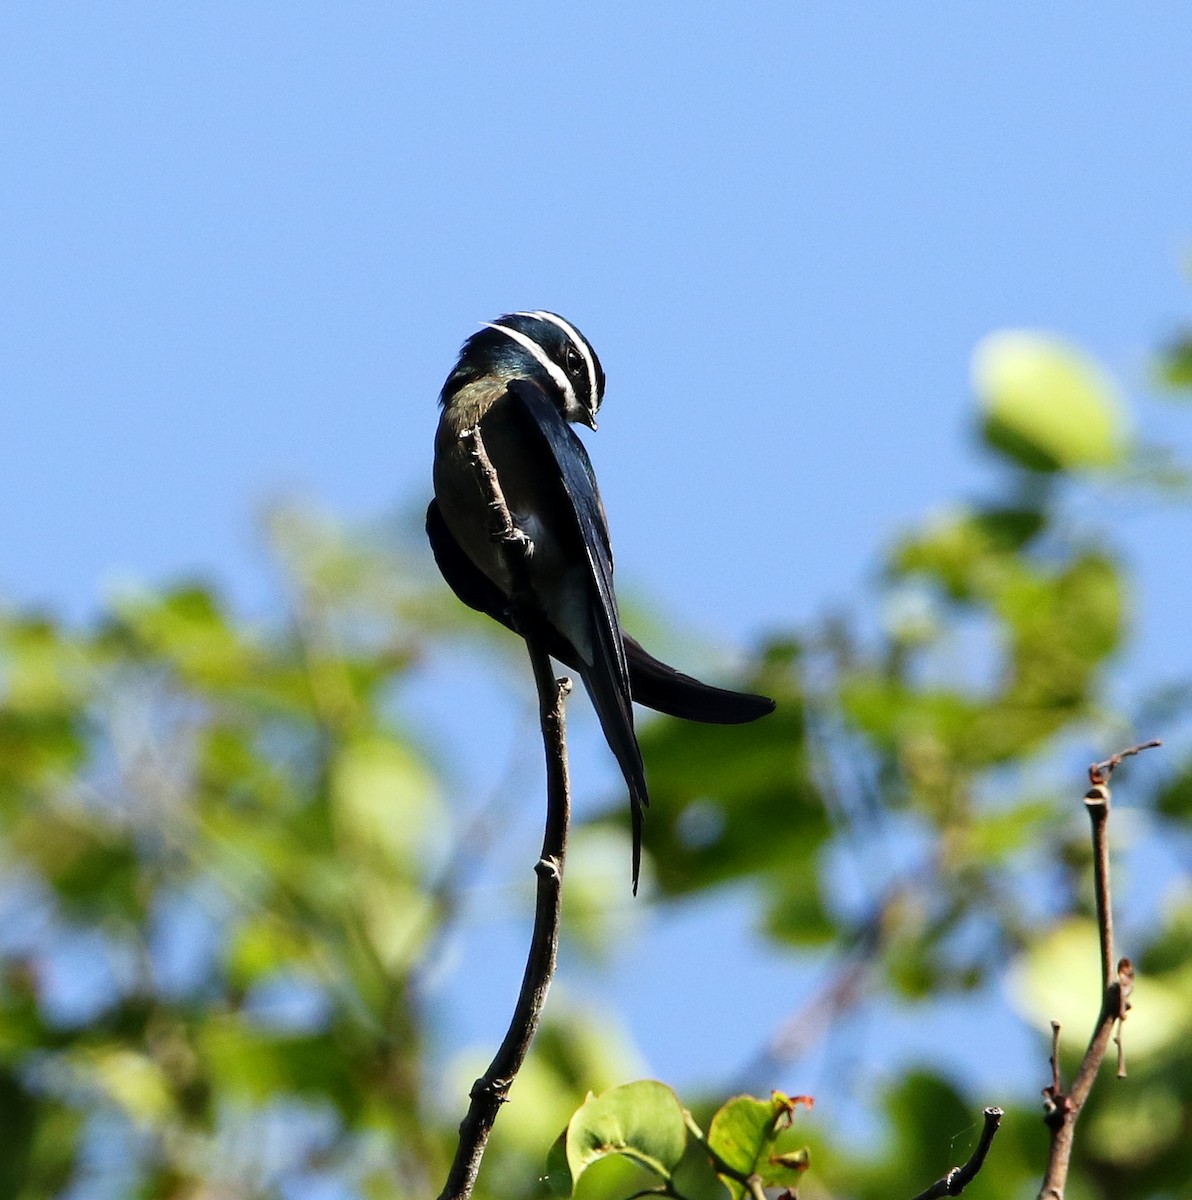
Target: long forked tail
{"points": [[616, 720]]}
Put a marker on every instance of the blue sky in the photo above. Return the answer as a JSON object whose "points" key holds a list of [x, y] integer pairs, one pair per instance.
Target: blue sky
{"points": [[242, 244]]}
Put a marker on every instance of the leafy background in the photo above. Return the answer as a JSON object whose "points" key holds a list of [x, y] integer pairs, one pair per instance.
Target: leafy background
{"points": [[267, 831], [231, 878]]}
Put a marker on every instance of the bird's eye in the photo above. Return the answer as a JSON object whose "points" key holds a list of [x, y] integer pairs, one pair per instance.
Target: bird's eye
{"points": [[572, 360]]}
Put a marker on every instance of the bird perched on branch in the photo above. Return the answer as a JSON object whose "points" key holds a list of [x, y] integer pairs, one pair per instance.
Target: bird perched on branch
{"points": [[520, 382]]}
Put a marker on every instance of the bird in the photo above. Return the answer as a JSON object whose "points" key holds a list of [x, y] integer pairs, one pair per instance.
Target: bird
{"points": [[522, 381]]}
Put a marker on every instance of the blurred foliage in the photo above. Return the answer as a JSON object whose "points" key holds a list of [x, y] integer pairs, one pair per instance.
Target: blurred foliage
{"points": [[228, 869], [1046, 405]]}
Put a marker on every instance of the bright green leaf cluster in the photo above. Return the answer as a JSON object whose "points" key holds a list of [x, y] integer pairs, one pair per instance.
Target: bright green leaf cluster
{"points": [[645, 1123]]}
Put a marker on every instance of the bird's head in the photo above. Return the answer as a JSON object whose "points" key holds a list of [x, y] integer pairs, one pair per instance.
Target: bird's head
{"points": [[534, 345]]}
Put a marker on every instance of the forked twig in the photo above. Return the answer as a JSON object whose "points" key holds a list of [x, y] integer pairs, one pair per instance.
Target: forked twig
{"points": [[1061, 1109]]}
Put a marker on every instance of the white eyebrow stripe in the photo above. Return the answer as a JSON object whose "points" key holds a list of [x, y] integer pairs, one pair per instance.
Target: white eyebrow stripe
{"points": [[543, 359], [581, 344]]}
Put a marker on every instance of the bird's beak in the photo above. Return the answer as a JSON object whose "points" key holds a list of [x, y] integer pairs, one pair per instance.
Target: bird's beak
{"points": [[588, 418]]}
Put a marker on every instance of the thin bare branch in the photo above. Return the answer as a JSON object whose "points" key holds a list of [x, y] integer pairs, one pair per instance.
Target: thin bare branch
{"points": [[491, 1090], [958, 1178], [1096, 801], [1056, 1083]]}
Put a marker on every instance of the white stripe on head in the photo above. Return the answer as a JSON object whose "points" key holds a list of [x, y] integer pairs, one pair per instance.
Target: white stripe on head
{"points": [[552, 368], [581, 345]]}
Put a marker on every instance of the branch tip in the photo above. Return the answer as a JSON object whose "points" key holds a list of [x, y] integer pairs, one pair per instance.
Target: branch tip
{"points": [[958, 1178], [1062, 1110], [1100, 772]]}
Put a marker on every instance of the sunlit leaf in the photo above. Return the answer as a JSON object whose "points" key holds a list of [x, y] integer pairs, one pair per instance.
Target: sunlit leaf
{"points": [[1046, 405], [387, 805], [1059, 979], [742, 1137], [1131, 1134], [133, 1081], [643, 1121]]}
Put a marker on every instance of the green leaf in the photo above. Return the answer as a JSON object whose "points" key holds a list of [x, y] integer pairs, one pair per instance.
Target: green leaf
{"points": [[742, 1137], [796, 912], [133, 1081], [558, 1170], [596, 861], [1175, 367], [1174, 798], [730, 801], [387, 804], [1047, 406], [247, 1063], [261, 945], [967, 553], [643, 1121], [189, 627], [92, 867], [19, 1114], [996, 834]]}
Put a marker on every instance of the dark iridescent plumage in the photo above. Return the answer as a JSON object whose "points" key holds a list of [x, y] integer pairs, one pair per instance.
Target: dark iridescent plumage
{"points": [[521, 380]]}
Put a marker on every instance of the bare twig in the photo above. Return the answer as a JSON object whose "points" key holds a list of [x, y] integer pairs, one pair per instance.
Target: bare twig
{"points": [[1100, 772], [1061, 1109], [491, 1090], [958, 1178], [1056, 1083]]}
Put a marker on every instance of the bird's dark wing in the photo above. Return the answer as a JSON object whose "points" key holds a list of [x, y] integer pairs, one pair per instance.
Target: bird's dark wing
{"points": [[607, 675], [583, 499]]}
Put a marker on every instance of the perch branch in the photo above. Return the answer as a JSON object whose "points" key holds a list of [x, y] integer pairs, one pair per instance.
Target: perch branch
{"points": [[491, 1090], [1061, 1109], [958, 1178]]}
